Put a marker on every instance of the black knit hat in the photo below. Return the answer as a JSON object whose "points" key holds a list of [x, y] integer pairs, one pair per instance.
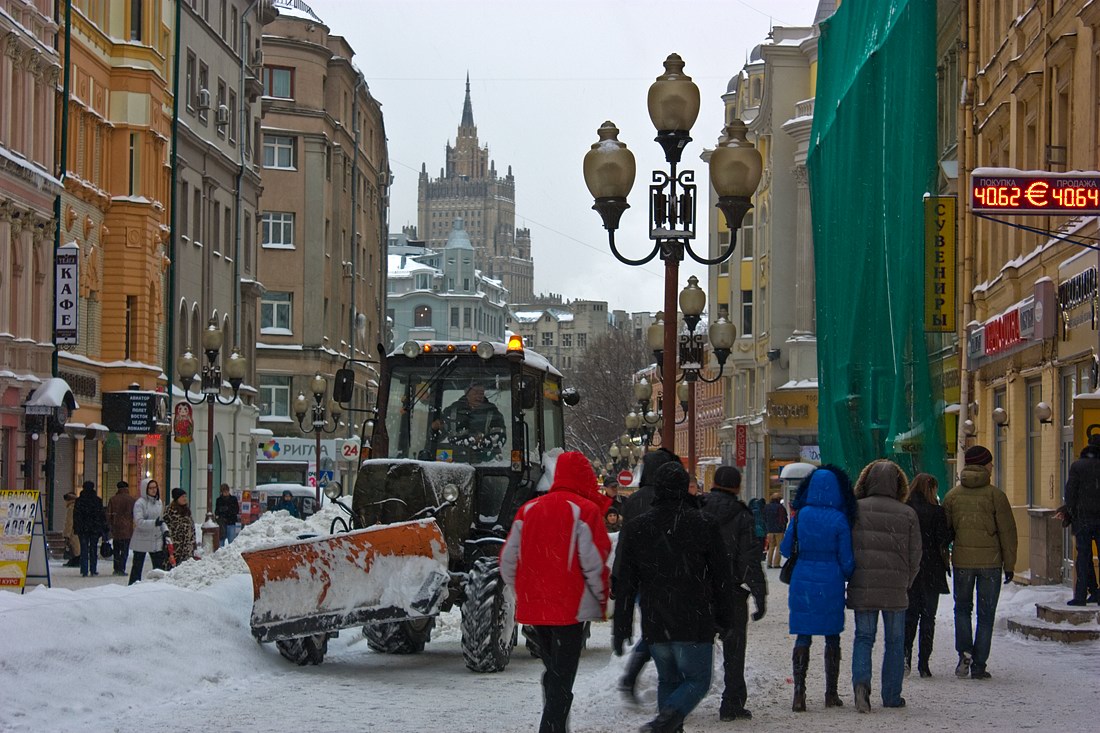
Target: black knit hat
{"points": [[671, 481], [177, 493], [978, 455], [122, 485], [727, 477]]}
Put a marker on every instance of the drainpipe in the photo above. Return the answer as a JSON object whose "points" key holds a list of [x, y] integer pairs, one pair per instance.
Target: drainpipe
{"points": [[354, 310], [966, 223], [170, 340], [51, 459]]}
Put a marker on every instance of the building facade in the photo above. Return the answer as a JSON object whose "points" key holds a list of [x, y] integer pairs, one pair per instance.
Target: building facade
{"points": [[215, 268], [766, 289], [440, 295], [560, 330], [323, 227], [469, 187], [29, 71]]}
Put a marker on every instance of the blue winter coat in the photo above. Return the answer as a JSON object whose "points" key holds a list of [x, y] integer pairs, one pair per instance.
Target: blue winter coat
{"points": [[825, 560]]}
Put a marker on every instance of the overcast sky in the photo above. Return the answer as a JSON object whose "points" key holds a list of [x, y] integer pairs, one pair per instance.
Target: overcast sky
{"points": [[543, 78]]}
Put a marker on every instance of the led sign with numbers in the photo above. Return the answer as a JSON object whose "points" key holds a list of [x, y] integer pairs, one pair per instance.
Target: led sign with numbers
{"points": [[1007, 191]]}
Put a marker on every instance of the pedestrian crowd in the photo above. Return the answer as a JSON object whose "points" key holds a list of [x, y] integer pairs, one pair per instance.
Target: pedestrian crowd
{"points": [[882, 548]]}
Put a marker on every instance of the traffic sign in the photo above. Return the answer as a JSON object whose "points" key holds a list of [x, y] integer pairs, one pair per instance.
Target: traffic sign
{"points": [[625, 477]]}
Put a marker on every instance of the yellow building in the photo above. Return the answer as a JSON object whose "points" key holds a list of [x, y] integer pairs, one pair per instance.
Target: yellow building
{"points": [[1029, 297], [115, 208]]}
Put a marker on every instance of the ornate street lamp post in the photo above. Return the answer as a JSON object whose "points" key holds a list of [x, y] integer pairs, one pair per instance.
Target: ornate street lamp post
{"points": [[735, 169], [318, 420], [211, 386]]}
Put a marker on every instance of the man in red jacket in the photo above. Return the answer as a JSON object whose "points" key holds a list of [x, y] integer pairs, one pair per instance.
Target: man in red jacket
{"points": [[556, 560]]}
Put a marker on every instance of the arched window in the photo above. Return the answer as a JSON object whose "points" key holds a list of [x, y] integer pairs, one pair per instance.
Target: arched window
{"points": [[196, 329], [422, 316], [183, 330]]}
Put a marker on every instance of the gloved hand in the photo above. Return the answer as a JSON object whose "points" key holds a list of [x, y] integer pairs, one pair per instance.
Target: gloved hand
{"points": [[1008, 577], [761, 607], [617, 644], [159, 522]]}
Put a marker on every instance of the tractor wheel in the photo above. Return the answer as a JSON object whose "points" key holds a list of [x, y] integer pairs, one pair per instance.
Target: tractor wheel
{"points": [[304, 649], [401, 637], [488, 618]]}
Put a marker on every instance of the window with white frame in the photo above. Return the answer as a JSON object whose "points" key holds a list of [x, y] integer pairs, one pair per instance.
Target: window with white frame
{"points": [[274, 397], [423, 281], [278, 230], [275, 312], [279, 152], [278, 82], [746, 313]]}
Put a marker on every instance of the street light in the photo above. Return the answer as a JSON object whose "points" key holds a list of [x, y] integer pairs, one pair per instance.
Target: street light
{"points": [[735, 169], [318, 419], [210, 387]]}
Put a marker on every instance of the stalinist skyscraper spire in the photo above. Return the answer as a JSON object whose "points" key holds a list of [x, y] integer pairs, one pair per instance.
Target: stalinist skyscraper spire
{"points": [[469, 187]]}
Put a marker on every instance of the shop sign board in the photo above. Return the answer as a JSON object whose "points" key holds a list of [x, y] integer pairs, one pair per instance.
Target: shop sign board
{"points": [[939, 264], [792, 409]]}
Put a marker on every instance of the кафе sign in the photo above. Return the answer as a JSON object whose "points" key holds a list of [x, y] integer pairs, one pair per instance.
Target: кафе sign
{"points": [[1015, 328]]}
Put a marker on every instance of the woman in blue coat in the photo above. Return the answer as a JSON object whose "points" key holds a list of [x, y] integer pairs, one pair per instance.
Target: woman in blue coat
{"points": [[822, 527]]}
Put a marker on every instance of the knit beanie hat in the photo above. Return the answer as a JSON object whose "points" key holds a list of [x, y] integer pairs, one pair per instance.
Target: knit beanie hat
{"points": [[177, 493], [978, 455], [671, 481], [727, 477]]}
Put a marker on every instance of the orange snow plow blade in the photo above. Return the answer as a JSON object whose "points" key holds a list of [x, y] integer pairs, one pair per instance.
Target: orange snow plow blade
{"points": [[333, 582]]}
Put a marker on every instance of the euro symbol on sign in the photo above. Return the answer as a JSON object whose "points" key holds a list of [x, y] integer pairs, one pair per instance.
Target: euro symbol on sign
{"points": [[1036, 193]]}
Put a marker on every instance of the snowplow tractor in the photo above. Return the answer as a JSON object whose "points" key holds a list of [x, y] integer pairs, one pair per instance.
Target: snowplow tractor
{"points": [[457, 445]]}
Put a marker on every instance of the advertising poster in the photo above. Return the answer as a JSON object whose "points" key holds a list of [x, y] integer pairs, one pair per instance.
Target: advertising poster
{"points": [[18, 513]]}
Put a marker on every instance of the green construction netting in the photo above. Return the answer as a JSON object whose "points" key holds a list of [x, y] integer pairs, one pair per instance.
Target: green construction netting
{"points": [[872, 157]]}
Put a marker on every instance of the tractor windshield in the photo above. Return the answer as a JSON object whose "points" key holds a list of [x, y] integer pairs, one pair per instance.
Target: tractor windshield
{"points": [[454, 410]]}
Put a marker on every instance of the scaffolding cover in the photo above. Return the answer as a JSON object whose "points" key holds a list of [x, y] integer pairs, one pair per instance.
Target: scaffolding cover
{"points": [[872, 157]]}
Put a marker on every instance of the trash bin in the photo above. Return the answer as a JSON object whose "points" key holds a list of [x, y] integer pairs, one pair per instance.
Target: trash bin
{"points": [[1046, 547]]}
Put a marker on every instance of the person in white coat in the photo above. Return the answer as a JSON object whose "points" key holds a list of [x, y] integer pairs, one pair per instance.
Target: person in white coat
{"points": [[148, 530]]}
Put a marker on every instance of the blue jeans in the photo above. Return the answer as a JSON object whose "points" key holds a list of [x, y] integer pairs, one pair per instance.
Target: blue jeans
{"points": [[967, 640], [893, 658], [1085, 582], [89, 554], [683, 674]]}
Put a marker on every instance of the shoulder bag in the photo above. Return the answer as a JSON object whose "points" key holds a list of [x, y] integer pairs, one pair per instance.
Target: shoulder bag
{"points": [[787, 570]]}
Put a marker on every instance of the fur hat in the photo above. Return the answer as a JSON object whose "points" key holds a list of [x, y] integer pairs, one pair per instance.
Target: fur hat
{"points": [[977, 455], [727, 477]]}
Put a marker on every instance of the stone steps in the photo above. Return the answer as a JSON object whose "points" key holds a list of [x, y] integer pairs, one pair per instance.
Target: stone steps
{"points": [[1059, 622]]}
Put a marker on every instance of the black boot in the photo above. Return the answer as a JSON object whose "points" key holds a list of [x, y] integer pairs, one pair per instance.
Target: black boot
{"points": [[800, 663], [667, 721], [832, 674], [924, 653]]}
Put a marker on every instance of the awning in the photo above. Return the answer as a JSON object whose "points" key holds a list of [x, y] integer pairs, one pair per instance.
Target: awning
{"points": [[52, 394]]}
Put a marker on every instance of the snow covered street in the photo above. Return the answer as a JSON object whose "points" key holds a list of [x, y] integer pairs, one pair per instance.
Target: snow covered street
{"points": [[176, 654]]}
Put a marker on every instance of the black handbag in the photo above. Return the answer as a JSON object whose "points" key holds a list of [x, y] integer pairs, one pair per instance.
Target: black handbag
{"points": [[105, 549], [787, 570]]}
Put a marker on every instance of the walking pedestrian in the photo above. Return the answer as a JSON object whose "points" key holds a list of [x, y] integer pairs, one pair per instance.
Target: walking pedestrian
{"points": [[931, 581], [634, 506], [985, 546], [736, 526], [120, 519], [228, 511], [674, 562], [89, 524], [821, 535], [886, 544], [760, 525], [775, 521], [181, 527], [555, 558], [149, 532], [1082, 497], [72, 542]]}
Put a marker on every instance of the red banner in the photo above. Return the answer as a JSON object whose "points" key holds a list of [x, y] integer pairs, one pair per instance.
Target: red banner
{"points": [[741, 446]]}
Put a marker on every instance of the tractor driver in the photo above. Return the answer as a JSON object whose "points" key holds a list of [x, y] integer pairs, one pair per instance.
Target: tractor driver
{"points": [[473, 421]]}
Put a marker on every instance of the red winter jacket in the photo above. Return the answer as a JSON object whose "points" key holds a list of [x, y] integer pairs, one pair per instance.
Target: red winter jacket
{"points": [[556, 554]]}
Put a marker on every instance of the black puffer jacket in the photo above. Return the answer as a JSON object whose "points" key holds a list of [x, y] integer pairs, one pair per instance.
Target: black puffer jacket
{"points": [[1083, 488], [89, 516], [673, 557], [935, 536], [737, 526]]}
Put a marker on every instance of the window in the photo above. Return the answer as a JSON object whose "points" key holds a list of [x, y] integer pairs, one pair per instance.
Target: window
{"points": [[567, 340], [454, 317], [1034, 441], [192, 90], [131, 315], [275, 313], [466, 318], [279, 152], [746, 313], [222, 20], [1000, 441], [547, 338], [423, 281], [221, 103], [278, 82], [196, 218], [135, 162], [275, 397], [745, 236], [582, 340], [422, 316], [233, 29], [181, 215], [278, 230], [204, 86], [135, 19], [232, 117]]}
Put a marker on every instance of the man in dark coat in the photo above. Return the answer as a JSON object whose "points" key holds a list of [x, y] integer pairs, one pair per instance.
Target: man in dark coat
{"points": [[1083, 505], [736, 525], [120, 520], [674, 562], [89, 524], [228, 512], [634, 506]]}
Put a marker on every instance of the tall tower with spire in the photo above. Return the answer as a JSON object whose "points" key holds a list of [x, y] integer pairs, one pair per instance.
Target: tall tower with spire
{"points": [[469, 187]]}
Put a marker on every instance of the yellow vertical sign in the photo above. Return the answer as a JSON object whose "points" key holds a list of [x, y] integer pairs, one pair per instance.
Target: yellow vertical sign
{"points": [[939, 264], [18, 516]]}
